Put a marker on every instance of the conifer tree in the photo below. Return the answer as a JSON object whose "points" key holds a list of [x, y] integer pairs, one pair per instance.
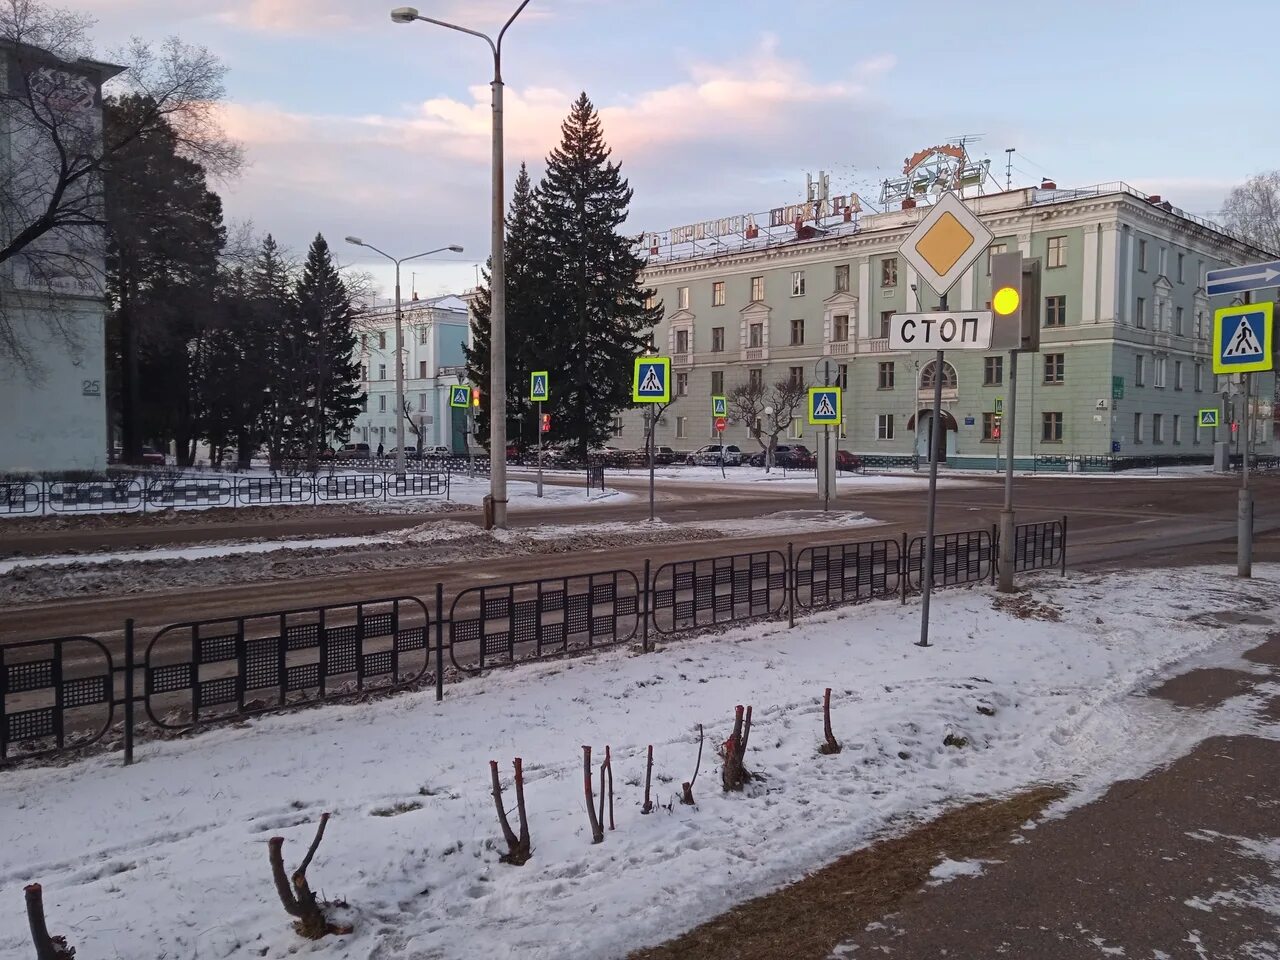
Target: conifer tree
{"points": [[324, 315], [277, 343]]}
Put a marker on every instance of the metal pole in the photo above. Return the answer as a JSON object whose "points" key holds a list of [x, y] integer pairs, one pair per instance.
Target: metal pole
{"points": [[644, 606], [439, 641], [926, 575], [653, 423], [1244, 511], [399, 381], [539, 448], [128, 691], [1008, 526], [498, 317]]}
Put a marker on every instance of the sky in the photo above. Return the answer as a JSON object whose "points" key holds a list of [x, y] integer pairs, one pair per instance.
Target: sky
{"points": [[353, 124]]}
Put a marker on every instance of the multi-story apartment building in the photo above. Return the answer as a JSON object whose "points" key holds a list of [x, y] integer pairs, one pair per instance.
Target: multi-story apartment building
{"points": [[435, 331], [1124, 360]]}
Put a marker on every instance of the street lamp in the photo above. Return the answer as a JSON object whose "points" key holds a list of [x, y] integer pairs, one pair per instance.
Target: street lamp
{"points": [[498, 292], [452, 248]]}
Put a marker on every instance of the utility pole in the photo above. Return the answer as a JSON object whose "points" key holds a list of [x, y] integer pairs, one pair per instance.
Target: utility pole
{"points": [[1008, 167]]}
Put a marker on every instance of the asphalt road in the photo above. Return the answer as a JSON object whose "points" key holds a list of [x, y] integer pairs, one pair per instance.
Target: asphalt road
{"points": [[1125, 519]]}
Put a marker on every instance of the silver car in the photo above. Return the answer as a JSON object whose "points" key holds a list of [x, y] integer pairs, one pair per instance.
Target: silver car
{"points": [[711, 455]]}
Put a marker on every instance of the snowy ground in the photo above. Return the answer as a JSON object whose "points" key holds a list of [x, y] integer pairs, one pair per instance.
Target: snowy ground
{"points": [[168, 858]]}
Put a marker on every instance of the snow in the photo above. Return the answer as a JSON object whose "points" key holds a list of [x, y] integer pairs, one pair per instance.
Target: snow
{"points": [[167, 858], [950, 869]]}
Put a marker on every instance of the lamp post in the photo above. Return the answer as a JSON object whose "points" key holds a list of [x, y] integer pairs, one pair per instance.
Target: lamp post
{"points": [[452, 248], [498, 293]]}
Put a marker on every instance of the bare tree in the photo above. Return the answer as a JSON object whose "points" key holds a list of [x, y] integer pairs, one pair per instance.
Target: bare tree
{"points": [[52, 214], [1252, 210], [768, 412], [416, 422]]}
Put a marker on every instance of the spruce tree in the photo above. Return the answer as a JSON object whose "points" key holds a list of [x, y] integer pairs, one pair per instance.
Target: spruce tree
{"points": [[592, 282], [526, 317], [324, 315], [278, 346]]}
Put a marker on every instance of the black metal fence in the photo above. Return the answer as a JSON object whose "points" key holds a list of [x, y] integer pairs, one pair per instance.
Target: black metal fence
{"points": [[67, 693]]}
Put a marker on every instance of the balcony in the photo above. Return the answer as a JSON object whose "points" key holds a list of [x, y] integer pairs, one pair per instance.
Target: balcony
{"points": [[682, 359], [877, 345], [752, 354], [838, 348]]}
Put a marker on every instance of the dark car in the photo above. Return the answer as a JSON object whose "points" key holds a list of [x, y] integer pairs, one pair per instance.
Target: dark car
{"points": [[793, 455], [847, 462], [152, 457]]}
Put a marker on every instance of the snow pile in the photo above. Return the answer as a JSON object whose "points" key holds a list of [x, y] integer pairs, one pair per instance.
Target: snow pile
{"points": [[168, 858]]}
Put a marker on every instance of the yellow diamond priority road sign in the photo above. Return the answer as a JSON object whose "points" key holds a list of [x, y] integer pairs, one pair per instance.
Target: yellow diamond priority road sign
{"points": [[945, 243]]}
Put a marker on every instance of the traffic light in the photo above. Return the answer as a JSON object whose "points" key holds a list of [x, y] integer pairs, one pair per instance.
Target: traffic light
{"points": [[1015, 302], [546, 423], [475, 396]]}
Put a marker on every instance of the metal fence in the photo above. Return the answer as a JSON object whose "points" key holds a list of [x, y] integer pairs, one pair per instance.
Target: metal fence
{"points": [[68, 693], [142, 492]]}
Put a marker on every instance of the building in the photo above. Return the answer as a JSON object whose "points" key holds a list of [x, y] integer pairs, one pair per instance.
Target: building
{"points": [[1124, 361], [435, 331], [53, 413]]}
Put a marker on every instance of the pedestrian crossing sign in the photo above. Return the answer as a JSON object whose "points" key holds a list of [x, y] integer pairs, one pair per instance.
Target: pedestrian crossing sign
{"points": [[720, 406], [1208, 417], [539, 386], [1242, 338], [460, 396], [652, 383], [824, 406]]}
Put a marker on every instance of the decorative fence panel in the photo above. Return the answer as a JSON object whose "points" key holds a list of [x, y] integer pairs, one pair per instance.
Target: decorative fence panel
{"points": [[361, 486], [699, 593], [19, 496], [968, 557], [256, 490], [87, 496], [191, 491], [55, 695], [847, 573], [1040, 546]]}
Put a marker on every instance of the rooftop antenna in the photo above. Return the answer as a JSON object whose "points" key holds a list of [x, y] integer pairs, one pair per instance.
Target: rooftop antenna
{"points": [[1008, 167]]}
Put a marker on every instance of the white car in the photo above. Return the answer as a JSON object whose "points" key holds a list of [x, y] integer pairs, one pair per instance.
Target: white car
{"points": [[440, 450], [711, 454]]}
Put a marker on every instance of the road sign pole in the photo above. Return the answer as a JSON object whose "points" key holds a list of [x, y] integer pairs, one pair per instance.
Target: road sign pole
{"points": [[653, 424], [539, 448], [926, 575], [1008, 527], [1244, 511]]}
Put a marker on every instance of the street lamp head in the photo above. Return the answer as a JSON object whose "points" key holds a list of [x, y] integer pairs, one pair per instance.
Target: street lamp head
{"points": [[455, 248], [404, 14], [356, 241]]}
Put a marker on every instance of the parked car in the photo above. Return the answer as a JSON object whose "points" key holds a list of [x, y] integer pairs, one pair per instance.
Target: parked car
{"points": [[409, 451], [793, 455], [848, 462], [439, 450], [354, 451], [663, 456], [710, 455], [152, 457]]}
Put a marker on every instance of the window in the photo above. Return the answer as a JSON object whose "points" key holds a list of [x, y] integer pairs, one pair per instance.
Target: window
{"points": [[382, 371], [842, 278], [886, 378], [1055, 367], [755, 335], [1051, 428], [886, 320], [1178, 328], [1139, 371], [1137, 428], [682, 298], [797, 429], [840, 328], [994, 250], [757, 289], [382, 341], [682, 384], [364, 403], [364, 372], [889, 272], [795, 375], [1140, 313], [1158, 366], [929, 372], [797, 283], [1142, 255], [682, 341], [422, 369], [992, 371], [717, 383], [1199, 377], [1057, 252], [1177, 374], [1182, 277], [422, 402], [990, 427], [884, 426], [1200, 325], [424, 336], [651, 301], [1157, 428], [1055, 311], [717, 339], [1164, 261], [842, 376], [1177, 428], [364, 341], [681, 425], [797, 333], [717, 293], [755, 379], [382, 403]]}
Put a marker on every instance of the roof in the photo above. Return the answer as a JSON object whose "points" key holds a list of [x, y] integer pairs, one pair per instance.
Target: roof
{"points": [[100, 70], [449, 302]]}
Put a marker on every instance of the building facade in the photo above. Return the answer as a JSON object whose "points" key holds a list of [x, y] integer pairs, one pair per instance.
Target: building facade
{"points": [[1123, 365], [435, 331], [53, 414]]}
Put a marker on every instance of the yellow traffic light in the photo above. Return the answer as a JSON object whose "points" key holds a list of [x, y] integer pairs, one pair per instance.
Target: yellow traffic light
{"points": [[1006, 301]]}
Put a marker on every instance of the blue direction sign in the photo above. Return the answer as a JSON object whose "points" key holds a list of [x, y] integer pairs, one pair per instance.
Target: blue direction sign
{"points": [[460, 396], [824, 406], [1242, 338], [1255, 276], [652, 383]]}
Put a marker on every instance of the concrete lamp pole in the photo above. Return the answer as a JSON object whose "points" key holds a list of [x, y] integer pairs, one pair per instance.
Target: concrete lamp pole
{"points": [[498, 294], [452, 248]]}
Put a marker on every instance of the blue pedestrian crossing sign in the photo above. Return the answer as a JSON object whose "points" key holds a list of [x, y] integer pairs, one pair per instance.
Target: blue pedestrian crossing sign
{"points": [[1242, 338], [652, 383], [719, 406], [1208, 417], [460, 396], [539, 386], [824, 406]]}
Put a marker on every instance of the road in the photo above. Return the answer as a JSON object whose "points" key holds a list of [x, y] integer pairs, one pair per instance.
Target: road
{"points": [[1110, 519]]}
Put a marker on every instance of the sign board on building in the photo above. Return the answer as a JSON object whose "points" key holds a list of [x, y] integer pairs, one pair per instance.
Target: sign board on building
{"points": [[945, 243], [1255, 276], [1208, 417], [652, 381], [969, 421], [1242, 338], [460, 396], [720, 406], [824, 406], [941, 331], [539, 386], [1117, 388]]}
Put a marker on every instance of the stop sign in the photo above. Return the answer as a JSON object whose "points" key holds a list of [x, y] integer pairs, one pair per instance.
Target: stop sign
{"points": [[720, 424]]}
